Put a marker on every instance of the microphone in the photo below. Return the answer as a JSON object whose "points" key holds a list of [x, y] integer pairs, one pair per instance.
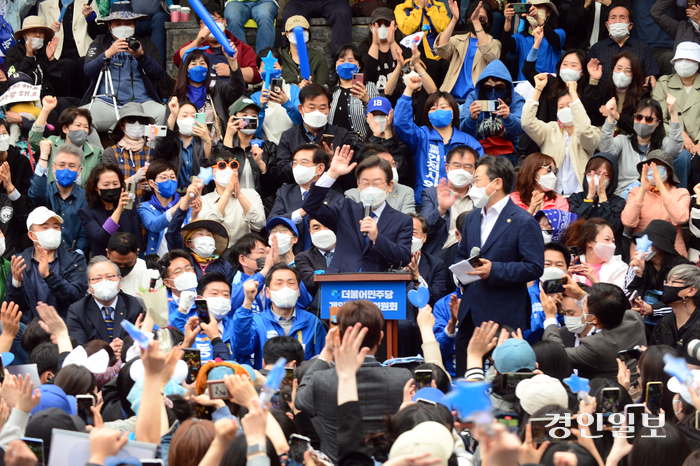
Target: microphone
{"points": [[368, 211], [475, 251]]}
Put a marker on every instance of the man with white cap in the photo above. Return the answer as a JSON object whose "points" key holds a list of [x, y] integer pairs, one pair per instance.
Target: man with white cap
{"points": [[684, 85], [47, 272]]}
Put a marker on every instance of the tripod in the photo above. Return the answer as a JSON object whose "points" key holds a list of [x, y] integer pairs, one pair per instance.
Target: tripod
{"points": [[109, 85]]}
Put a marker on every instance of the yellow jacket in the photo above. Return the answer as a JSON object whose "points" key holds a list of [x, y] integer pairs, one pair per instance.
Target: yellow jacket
{"points": [[458, 45], [410, 19]]}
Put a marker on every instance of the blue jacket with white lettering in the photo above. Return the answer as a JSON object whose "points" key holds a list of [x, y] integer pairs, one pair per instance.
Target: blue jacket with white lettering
{"points": [[251, 331]]}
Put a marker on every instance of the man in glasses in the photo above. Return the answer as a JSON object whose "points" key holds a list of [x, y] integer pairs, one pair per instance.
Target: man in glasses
{"points": [[98, 316], [179, 277]]}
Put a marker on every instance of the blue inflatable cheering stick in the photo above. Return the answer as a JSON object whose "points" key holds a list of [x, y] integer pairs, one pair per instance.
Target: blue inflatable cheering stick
{"points": [[304, 68], [272, 384], [66, 4], [579, 385], [138, 336], [269, 62], [213, 28], [643, 245], [471, 400], [678, 368]]}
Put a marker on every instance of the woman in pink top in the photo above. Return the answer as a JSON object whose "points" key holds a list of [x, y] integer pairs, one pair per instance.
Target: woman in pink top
{"points": [[535, 183], [657, 198]]}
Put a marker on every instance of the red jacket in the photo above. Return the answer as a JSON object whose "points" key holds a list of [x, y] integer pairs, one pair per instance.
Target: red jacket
{"points": [[246, 55]]}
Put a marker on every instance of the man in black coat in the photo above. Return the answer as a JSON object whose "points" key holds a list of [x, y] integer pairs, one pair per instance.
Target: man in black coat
{"points": [[317, 257]]}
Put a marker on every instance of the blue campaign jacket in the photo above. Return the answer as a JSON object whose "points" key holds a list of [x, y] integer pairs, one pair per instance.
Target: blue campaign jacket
{"points": [[427, 146], [253, 330], [155, 223], [441, 311], [261, 302], [537, 318]]}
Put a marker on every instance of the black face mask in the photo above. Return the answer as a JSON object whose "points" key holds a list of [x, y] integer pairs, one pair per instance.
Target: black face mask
{"points": [[111, 196], [260, 263], [670, 294], [125, 270]]}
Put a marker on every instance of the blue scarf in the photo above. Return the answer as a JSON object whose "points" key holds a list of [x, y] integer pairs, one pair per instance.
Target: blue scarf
{"points": [[155, 203], [197, 95]]}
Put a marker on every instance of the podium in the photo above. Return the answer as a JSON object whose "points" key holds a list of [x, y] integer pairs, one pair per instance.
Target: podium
{"points": [[387, 290]]}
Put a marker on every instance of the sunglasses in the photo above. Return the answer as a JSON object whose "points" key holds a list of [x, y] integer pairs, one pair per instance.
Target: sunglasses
{"points": [[222, 164], [639, 117], [551, 169], [500, 87]]}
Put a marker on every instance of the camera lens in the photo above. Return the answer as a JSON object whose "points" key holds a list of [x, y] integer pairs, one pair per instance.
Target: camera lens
{"points": [[134, 44]]}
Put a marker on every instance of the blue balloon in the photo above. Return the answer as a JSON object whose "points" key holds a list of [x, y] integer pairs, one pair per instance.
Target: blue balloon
{"points": [[419, 297], [211, 24], [470, 398], [304, 67]]}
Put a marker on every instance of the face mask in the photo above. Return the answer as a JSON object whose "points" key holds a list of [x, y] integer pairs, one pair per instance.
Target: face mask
{"points": [[77, 137], [221, 28], [416, 244], [5, 142], [166, 188], [293, 37], [605, 251], [381, 119], [346, 70], [315, 119], [548, 182], [134, 130], [198, 73], [373, 196], [619, 30], [533, 22], [111, 196], [185, 126], [596, 181], [459, 178], [670, 294], [479, 196], [218, 306], [105, 290], [204, 246], [551, 273], [2, 246], [383, 32], [565, 116], [495, 95], [568, 75], [284, 242], [260, 263], [408, 77], [126, 270], [324, 239], [36, 43], [49, 239], [573, 324], [440, 118], [284, 298], [662, 172], [395, 175], [649, 254], [547, 236], [186, 281], [303, 175], [685, 68], [621, 80], [222, 177], [122, 32], [66, 177]]}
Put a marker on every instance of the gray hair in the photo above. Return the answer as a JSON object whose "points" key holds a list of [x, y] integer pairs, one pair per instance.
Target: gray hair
{"points": [[96, 260], [70, 149], [689, 274]]}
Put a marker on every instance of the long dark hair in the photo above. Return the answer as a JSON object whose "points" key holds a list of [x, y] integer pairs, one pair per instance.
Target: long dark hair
{"points": [[636, 88], [526, 183], [559, 86], [182, 79], [657, 137], [670, 449], [651, 369], [335, 80], [552, 359], [93, 198]]}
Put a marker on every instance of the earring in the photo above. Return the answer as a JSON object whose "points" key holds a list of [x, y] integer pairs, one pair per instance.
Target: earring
{"points": [[683, 301]]}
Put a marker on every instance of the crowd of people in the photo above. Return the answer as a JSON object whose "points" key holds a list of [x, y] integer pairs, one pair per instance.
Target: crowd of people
{"points": [[529, 165]]}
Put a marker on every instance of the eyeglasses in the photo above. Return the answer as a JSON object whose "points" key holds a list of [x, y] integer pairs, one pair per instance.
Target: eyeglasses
{"points": [[179, 271], [551, 169], [639, 117], [110, 278], [222, 164], [71, 166], [500, 87], [376, 184], [302, 162], [464, 166]]}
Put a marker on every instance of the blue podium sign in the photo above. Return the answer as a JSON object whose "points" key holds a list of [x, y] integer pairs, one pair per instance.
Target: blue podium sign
{"points": [[389, 296]]}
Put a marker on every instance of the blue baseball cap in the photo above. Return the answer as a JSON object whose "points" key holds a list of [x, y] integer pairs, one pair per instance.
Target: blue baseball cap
{"points": [[381, 104], [281, 220], [514, 355]]}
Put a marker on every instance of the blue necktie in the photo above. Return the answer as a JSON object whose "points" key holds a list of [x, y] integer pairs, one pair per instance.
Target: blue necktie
{"points": [[329, 258], [307, 236], [109, 322]]}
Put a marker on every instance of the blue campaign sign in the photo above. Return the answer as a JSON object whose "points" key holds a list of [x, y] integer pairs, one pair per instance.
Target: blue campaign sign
{"points": [[390, 297]]}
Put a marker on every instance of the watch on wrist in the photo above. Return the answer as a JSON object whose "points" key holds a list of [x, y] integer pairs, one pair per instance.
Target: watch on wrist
{"points": [[257, 448]]}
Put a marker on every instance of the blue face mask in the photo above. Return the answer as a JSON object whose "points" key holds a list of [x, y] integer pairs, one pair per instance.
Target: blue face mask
{"points": [[273, 75], [167, 188], [495, 95], [66, 177], [662, 172], [440, 118], [198, 73], [346, 70]]}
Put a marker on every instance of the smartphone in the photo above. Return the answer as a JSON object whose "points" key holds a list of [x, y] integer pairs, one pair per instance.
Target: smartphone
{"points": [[653, 398], [423, 378], [510, 380], [193, 358], [287, 384], [510, 421], [540, 431], [574, 255], [217, 390], [629, 354], [131, 189], [637, 411], [610, 401], [165, 338], [276, 84], [632, 297], [555, 285], [521, 8], [36, 445], [298, 445], [200, 118], [84, 403], [276, 401], [475, 261], [153, 462], [358, 78], [157, 131], [328, 139], [488, 105], [202, 310], [250, 122]]}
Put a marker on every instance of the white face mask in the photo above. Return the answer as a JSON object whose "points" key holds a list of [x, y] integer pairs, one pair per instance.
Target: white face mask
{"points": [[4, 142], [383, 32], [408, 76], [621, 80], [619, 30], [185, 126], [316, 119], [186, 281], [381, 120], [479, 196], [105, 290], [573, 324], [548, 182], [221, 28], [685, 68], [649, 254], [395, 174], [49, 239], [2, 246], [218, 306], [568, 75], [373, 196], [605, 251], [122, 32], [547, 236], [416, 244], [293, 37], [284, 242], [303, 175], [134, 130], [324, 239], [204, 246], [459, 178], [35, 43], [565, 116], [222, 177], [596, 181], [284, 298]]}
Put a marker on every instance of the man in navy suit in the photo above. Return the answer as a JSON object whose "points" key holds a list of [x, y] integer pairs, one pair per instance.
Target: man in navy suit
{"points": [[308, 164], [512, 253], [387, 243]]}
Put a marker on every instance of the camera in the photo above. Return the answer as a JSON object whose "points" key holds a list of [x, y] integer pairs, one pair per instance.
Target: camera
{"points": [[694, 348], [134, 43]]}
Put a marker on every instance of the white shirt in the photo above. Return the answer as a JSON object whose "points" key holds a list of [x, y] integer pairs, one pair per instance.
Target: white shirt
{"points": [[113, 305], [296, 215], [490, 217], [326, 182], [596, 24]]}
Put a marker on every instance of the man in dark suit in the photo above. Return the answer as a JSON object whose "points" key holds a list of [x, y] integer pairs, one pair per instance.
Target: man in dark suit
{"points": [[512, 254], [380, 389], [317, 257], [387, 243], [310, 162], [448, 255], [99, 315]]}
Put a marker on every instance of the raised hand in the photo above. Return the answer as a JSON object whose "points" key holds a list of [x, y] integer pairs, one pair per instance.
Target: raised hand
{"points": [[454, 9], [48, 103], [17, 267], [349, 354], [444, 197], [611, 107], [540, 81], [10, 316], [250, 288], [174, 106], [341, 164], [595, 69], [475, 16], [538, 34], [413, 83], [671, 103], [51, 47], [28, 398], [572, 86]]}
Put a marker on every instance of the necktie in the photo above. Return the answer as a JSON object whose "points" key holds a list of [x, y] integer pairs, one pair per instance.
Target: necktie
{"points": [[109, 322], [329, 258], [306, 242]]}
